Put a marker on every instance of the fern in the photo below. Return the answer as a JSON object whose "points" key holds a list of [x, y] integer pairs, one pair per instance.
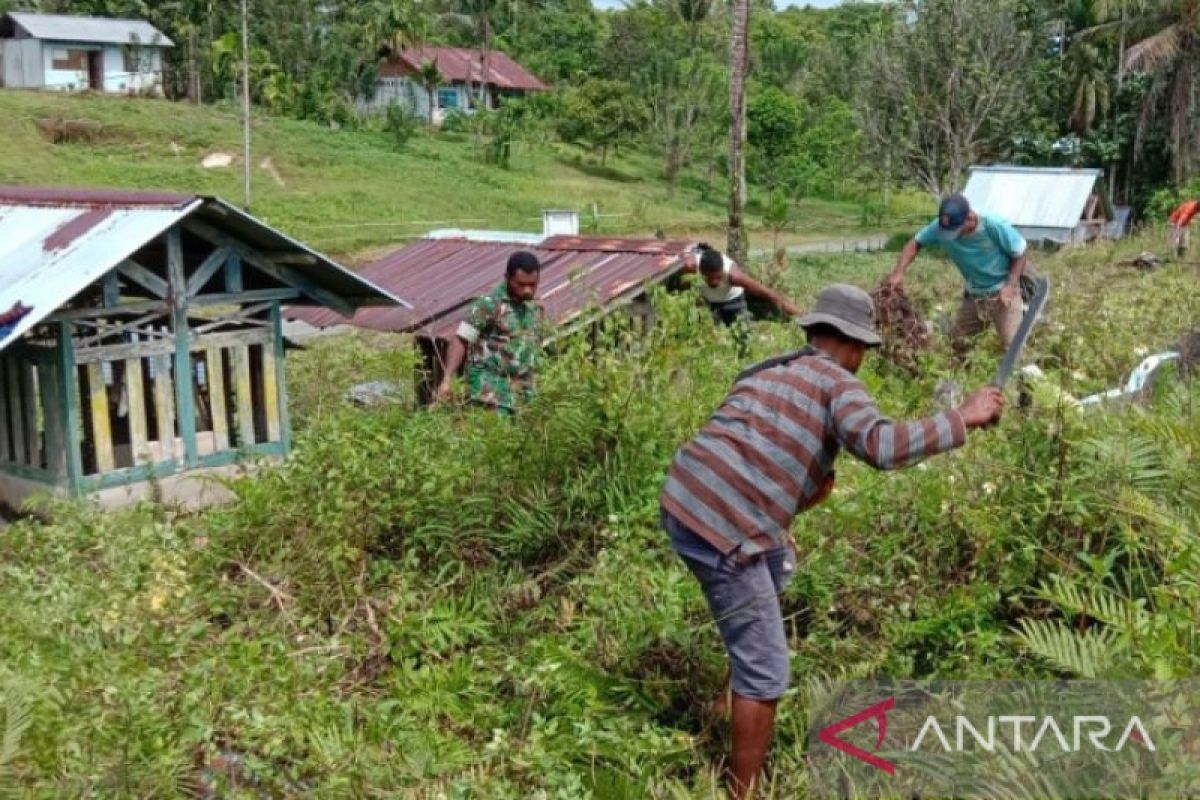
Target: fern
{"points": [[17, 718], [1129, 617], [1092, 653], [1139, 460]]}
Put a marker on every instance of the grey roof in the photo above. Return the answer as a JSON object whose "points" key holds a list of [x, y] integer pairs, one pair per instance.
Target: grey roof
{"points": [[54, 242], [63, 28], [1036, 197]]}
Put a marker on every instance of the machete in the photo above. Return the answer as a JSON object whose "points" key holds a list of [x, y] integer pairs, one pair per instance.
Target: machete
{"points": [[1041, 294]]}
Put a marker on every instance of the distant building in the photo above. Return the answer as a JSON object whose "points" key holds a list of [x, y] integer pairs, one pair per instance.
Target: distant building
{"points": [[1046, 204], [461, 71], [66, 53]]}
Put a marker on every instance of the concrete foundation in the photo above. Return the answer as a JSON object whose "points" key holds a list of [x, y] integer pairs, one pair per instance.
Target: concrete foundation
{"points": [[186, 491]]}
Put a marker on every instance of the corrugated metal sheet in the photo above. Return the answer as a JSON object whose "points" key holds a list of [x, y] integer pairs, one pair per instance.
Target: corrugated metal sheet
{"points": [[604, 244], [44, 278], [63, 28], [21, 64], [442, 276], [1034, 198], [572, 282], [91, 196], [1120, 225], [56, 242], [460, 64]]}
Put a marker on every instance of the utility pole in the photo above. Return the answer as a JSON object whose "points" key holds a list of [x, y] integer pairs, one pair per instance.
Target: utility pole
{"points": [[246, 101]]}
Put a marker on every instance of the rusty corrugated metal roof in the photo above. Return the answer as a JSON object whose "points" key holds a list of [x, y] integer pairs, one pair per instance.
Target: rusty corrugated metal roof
{"points": [[441, 277], [462, 64], [56, 242], [70, 196], [607, 244]]}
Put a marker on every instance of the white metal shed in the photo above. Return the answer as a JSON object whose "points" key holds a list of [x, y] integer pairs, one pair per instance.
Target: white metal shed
{"points": [[1052, 204]]}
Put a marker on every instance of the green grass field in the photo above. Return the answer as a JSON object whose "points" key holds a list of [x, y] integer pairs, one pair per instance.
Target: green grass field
{"points": [[351, 193]]}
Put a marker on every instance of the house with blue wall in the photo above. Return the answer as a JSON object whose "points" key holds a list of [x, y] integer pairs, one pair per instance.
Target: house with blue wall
{"points": [[74, 53]]}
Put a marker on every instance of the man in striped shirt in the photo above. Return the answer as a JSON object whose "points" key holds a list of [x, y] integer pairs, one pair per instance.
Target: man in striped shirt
{"points": [[766, 455]]}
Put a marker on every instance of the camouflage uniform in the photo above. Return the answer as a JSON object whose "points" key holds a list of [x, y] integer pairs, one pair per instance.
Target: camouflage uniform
{"points": [[504, 340]]}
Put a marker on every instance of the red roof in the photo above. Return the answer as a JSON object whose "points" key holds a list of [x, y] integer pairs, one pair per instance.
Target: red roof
{"points": [[461, 64], [440, 277], [70, 196]]}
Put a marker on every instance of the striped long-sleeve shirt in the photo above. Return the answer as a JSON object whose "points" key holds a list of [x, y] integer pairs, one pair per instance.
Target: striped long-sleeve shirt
{"points": [[764, 455]]}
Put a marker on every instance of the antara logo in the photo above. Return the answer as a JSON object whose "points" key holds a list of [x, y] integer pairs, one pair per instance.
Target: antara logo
{"points": [[877, 712], [1094, 731]]}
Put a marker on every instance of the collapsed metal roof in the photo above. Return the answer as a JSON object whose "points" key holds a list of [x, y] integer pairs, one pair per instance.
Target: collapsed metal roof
{"points": [[56, 242], [1033, 197], [100, 30], [442, 276]]}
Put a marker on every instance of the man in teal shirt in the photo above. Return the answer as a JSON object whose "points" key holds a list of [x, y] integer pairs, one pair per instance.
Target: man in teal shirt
{"points": [[990, 254]]}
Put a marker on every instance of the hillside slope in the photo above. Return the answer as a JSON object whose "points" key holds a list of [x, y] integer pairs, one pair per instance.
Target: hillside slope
{"points": [[346, 191]]}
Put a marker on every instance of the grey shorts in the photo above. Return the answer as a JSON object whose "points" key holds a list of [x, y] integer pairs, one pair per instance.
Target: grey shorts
{"points": [[744, 602]]}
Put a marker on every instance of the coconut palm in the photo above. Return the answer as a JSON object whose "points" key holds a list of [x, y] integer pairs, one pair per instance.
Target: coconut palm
{"points": [[1166, 49], [1091, 95], [1087, 74], [1170, 54], [392, 25], [693, 14]]}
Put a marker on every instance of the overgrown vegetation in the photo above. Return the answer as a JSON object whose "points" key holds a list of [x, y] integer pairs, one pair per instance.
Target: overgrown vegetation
{"points": [[449, 604]]}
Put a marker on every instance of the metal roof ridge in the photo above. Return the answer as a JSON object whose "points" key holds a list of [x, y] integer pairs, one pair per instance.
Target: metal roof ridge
{"points": [[91, 196], [45, 15], [1037, 170]]}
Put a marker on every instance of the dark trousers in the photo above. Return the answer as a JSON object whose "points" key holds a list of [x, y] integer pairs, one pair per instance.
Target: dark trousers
{"points": [[729, 313]]}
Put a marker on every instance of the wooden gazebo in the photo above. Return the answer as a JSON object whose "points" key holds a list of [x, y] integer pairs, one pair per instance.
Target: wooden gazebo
{"points": [[141, 342]]}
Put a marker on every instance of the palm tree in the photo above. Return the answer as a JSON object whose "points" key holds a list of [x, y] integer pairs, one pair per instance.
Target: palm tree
{"points": [[430, 78], [1170, 54], [1167, 50], [1090, 93], [739, 61], [1119, 12], [693, 14], [391, 26], [1087, 76]]}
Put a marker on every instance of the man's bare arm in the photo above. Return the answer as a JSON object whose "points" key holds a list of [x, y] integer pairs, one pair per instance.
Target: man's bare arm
{"points": [[907, 256], [758, 290]]}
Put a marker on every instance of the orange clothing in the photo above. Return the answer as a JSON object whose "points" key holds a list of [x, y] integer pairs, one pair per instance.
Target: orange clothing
{"points": [[1182, 216]]}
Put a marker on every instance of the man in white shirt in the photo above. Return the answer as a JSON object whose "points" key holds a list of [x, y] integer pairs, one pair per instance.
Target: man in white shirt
{"points": [[726, 286]]}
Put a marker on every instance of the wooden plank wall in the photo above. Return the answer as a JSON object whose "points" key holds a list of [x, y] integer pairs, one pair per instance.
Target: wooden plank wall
{"points": [[22, 419], [119, 406]]}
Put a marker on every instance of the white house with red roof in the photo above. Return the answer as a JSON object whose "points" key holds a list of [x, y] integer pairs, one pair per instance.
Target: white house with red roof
{"points": [[463, 80]]}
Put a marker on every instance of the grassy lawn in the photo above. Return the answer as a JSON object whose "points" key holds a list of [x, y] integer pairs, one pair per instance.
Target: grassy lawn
{"points": [[347, 192]]}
